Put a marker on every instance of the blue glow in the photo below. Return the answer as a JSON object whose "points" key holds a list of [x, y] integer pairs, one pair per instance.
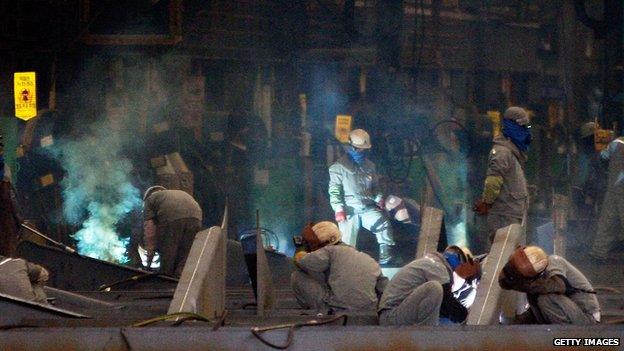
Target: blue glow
{"points": [[97, 193]]}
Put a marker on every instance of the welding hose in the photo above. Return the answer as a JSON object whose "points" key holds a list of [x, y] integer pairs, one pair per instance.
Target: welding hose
{"points": [[181, 318], [257, 331]]}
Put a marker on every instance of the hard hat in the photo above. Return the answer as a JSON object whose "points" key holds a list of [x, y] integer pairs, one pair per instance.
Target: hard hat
{"points": [[152, 190], [529, 261], [518, 114], [327, 232], [359, 138], [588, 129]]}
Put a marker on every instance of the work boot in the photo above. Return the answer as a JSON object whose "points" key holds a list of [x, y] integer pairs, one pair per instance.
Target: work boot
{"points": [[384, 253]]}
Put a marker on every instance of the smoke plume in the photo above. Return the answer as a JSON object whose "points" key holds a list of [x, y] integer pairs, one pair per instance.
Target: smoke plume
{"points": [[97, 192]]}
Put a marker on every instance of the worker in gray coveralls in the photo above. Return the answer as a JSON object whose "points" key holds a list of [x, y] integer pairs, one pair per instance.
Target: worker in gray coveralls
{"points": [[558, 293], [172, 218], [430, 288], [332, 275]]}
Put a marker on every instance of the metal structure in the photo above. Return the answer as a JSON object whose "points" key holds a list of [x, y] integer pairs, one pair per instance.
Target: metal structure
{"points": [[430, 229], [487, 304]]}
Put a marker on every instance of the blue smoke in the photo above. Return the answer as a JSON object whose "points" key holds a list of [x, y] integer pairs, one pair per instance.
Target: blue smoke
{"points": [[97, 192]]}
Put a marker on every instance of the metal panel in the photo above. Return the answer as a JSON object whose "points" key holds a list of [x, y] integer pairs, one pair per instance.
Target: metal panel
{"points": [[202, 285], [266, 295], [486, 307], [431, 227], [76, 272], [15, 310]]}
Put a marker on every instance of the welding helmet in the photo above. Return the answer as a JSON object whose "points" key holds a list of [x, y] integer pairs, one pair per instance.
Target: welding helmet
{"points": [[360, 139], [152, 190], [529, 261]]}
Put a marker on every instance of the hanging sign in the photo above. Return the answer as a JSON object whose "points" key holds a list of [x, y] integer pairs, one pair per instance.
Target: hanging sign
{"points": [[25, 87], [343, 128]]}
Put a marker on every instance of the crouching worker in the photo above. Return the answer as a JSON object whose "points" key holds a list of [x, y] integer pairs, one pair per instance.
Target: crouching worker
{"points": [[332, 275], [422, 292], [558, 293], [22, 279]]}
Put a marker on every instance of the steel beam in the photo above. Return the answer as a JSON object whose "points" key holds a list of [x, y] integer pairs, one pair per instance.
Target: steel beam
{"points": [[264, 278], [15, 310], [430, 229], [486, 307], [560, 206], [202, 285]]}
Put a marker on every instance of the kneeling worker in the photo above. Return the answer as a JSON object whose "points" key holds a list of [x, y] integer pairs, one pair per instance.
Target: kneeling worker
{"points": [[558, 292], [333, 275], [422, 292], [22, 279]]}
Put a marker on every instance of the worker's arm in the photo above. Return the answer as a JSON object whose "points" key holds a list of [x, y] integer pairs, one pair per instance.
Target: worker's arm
{"points": [[315, 261], [335, 189], [37, 273], [491, 189], [498, 167]]}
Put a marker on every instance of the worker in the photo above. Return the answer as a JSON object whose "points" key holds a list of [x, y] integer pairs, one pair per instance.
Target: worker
{"points": [[22, 279], [10, 218], [612, 214], [430, 288], [171, 218], [590, 182], [334, 276], [557, 292], [505, 196], [355, 197]]}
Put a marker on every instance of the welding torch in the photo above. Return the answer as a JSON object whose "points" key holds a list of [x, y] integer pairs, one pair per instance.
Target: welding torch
{"points": [[57, 243]]}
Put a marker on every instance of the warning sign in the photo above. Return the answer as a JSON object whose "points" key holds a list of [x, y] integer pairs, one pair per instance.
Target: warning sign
{"points": [[343, 128], [25, 88]]}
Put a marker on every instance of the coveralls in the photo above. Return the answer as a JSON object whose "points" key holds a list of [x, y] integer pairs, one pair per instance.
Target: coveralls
{"points": [[22, 279], [353, 189], [337, 277], [611, 218], [571, 300], [507, 161], [419, 293], [178, 218]]}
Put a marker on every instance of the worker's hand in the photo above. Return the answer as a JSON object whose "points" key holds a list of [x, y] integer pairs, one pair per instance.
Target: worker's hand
{"points": [[43, 277], [299, 255], [381, 203], [340, 216], [481, 208]]}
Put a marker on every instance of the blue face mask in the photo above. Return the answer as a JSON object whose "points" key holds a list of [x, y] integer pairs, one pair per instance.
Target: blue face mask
{"points": [[519, 135], [453, 259], [356, 155]]}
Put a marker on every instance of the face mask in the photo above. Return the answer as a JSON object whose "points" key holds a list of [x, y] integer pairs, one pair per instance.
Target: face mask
{"points": [[519, 135], [453, 259], [356, 155]]}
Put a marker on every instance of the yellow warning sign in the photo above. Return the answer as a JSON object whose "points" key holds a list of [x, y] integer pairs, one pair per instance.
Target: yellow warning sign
{"points": [[25, 86], [343, 128]]}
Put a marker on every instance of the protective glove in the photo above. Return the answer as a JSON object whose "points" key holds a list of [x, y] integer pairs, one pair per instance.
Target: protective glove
{"points": [[299, 255], [43, 277], [341, 216], [382, 204], [481, 208]]}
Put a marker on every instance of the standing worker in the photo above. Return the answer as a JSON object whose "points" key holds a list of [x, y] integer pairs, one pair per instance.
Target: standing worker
{"points": [[171, 220], [612, 214], [591, 178], [505, 195], [558, 293], [430, 288], [333, 275], [355, 197]]}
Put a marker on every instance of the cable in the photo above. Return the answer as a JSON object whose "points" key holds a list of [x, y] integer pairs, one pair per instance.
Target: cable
{"points": [[257, 331], [181, 317]]}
